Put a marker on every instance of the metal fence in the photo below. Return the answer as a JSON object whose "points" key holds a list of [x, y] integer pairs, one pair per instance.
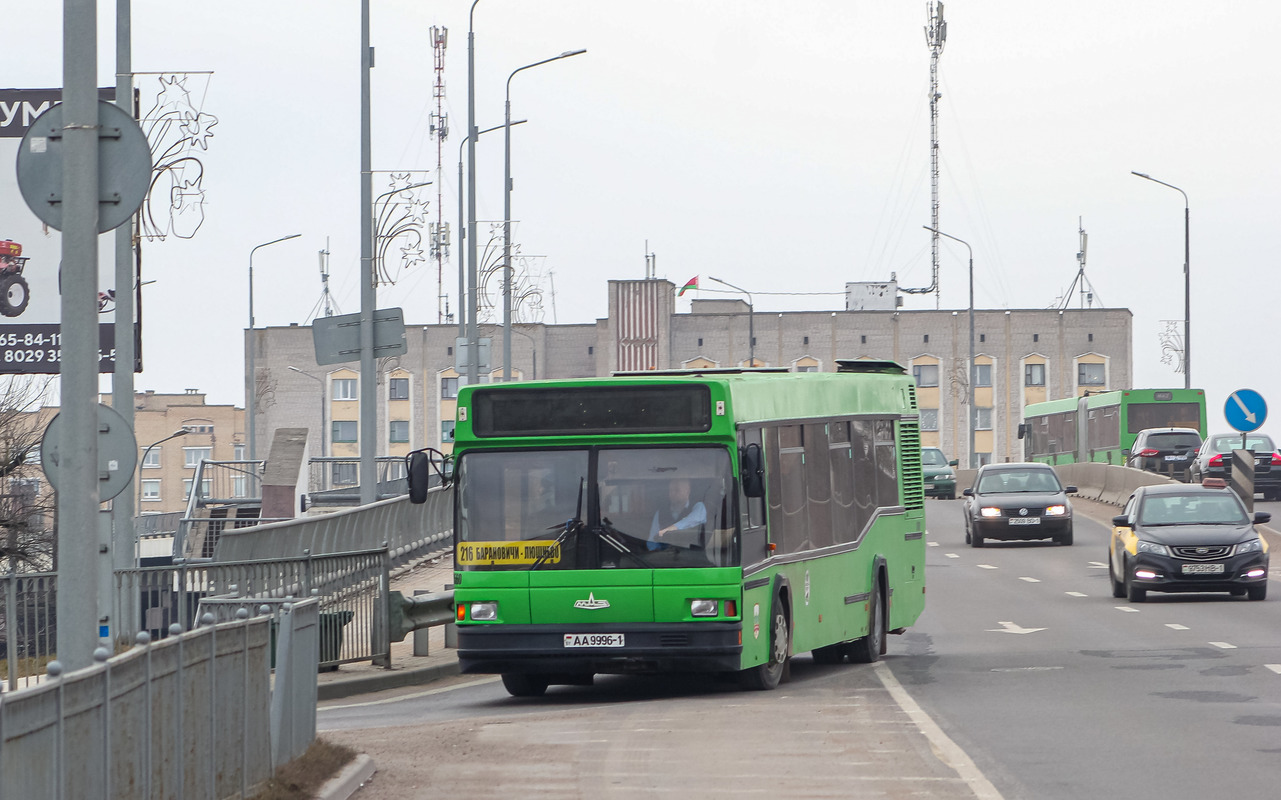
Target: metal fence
{"points": [[28, 626], [193, 716]]}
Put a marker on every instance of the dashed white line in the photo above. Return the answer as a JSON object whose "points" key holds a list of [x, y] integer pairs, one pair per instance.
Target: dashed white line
{"points": [[1176, 626], [985, 566], [1098, 565], [1076, 594], [1127, 609], [1031, 580], [932, 544], [1224, 645], [1274, 667], [951, 555]]}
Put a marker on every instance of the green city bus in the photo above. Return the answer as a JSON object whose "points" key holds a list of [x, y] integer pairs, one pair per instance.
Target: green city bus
{"points": [[686, 521], [1101, 427]]}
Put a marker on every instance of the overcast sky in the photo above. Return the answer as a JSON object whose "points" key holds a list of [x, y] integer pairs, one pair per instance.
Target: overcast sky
{"points": [[781, 146]]}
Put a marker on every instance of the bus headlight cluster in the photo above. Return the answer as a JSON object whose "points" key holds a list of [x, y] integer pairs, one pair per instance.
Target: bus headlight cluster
{"points": [[990, 511], [1055, 511], [483, 612], [704, 608]]}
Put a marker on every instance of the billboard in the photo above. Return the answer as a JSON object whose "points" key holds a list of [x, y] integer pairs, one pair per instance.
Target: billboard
{"points": [[30, 259]]}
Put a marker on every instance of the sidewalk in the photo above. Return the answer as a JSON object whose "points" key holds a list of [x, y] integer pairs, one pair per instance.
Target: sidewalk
{"points": [[407, 669]]}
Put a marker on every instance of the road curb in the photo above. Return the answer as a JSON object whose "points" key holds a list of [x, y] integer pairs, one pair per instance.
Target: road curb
{"points": [[389, 679], [345, 783]]}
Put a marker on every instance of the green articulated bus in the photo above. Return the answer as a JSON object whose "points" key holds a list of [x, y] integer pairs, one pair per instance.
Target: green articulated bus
{"points": [[1101, 427], [695, 521]]}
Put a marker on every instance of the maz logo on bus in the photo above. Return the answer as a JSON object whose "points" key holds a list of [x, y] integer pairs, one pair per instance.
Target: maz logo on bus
{"points": [[591, 602]]}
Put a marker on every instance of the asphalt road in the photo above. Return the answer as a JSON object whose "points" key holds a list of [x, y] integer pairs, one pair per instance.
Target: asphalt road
{"points": [[1050, 687]]}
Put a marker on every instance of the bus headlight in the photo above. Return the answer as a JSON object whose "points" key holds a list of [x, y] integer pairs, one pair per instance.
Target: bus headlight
{"points": [[990, 511], [483, 612], [703, 608], [1055, 511]]}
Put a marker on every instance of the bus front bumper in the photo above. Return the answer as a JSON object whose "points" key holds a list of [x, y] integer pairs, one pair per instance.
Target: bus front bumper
{"points": [[646, 648]]}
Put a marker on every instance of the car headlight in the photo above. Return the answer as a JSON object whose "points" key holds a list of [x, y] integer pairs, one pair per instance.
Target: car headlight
{"points": [[990, 512], [945, 475], [1254, 545], [483, 612], [1055, 511], [1153, 548]]}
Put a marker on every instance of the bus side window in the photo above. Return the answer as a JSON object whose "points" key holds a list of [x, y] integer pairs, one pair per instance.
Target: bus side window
{"points": [[751, 510]]}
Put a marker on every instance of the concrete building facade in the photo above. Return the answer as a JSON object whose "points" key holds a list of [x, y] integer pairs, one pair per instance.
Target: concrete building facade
{"points": [[1021, 356]]}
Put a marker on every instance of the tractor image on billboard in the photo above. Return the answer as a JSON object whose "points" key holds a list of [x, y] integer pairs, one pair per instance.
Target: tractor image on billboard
{"points": [[14, 292]]}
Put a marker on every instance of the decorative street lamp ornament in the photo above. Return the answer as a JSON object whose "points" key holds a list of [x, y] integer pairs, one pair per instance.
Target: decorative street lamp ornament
{"points": [[176, 128]]}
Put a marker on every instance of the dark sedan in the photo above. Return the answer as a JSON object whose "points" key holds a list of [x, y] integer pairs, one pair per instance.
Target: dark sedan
{"points": [[1017, 501], [1214, 460], [1175, 538]]}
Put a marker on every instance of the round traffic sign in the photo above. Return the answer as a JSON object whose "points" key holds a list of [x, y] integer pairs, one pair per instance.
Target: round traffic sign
{"points": [[1245, 410], [117, 452]]}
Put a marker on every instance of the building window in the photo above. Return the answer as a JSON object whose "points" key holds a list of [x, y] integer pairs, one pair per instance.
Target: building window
{"points": [[1033, 374], [151, 459], [1036, 337], [449, 351], [240, 486], [1089, 375], [192, 456], [805, 340], [700, 342], [448, 388], [926, 374], [809, 368], [206, 487], [929, 419], [862, 339], [344, 389], [926, 338], [151, 490], [447, 430], [982, 337], [1091, 337], [982, 458], [398, 389], [982, 418], [344, 430], [346, 473], [239, 452], [400, 430], [982, 374], [590, 350]]}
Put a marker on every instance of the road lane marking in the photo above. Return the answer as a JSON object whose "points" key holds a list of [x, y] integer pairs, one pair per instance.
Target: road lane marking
{"points": [[402, 697], [1031, 580], [1098, 565], [1127, 609], [946, 749], [932, 544], [1274, 667], [985, 566], [1176, 626], [951, 555], [1224, 645], [1077, 594], [1010, 627]]}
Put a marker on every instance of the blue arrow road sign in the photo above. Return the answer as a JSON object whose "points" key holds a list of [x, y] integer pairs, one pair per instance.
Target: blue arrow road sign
{"points": [[1246, 410]]}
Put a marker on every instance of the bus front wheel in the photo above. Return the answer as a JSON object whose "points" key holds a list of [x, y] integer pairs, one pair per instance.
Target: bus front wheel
{"points": [[768, 675], [868, 649], [519, 684]]}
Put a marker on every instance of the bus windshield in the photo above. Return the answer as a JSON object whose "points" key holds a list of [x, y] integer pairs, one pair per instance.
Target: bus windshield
{"points": [[589, 508]]}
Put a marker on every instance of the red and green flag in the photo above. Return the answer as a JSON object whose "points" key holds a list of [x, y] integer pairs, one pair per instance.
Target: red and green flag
{"points": [[692, 283]]}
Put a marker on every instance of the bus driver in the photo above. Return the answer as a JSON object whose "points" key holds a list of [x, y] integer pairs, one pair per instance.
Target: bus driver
{"points": [[679, 515]]}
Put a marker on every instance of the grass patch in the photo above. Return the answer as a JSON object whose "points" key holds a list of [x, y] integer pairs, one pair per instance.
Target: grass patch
{"points": [[301, 778]]}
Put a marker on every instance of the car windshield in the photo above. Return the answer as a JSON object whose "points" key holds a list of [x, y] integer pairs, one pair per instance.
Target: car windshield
{"points": [[933, 457], [586, 509], [1259, 444], [1174, 441], [1019, 480], [1201, 508]]}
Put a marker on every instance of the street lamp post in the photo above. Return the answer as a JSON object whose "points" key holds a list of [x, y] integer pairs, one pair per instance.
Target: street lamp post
{"points": [[507, 210], [1187, 281], [251, 400], [321, 381], [973, 410], [751, 312], [145, 451], [473, 337]]}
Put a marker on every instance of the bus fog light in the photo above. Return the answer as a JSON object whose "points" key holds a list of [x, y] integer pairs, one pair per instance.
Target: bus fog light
{"points": [[703, 608], [484, 612]]}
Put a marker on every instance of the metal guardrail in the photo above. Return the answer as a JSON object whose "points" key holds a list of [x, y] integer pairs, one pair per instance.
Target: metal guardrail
{"points": [[28, 626], [193, 716]]}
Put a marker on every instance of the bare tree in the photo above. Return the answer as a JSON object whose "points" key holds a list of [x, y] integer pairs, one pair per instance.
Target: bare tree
{"points": [[26, 499]]}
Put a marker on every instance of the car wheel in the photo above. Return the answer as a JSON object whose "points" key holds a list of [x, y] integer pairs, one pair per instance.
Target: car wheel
{"points": [[976, 539], [1118, 588], [767, 676], [1259, 592], [520, 684], [869, 648], [1065, 538], [1134, 593], [967, 534]]}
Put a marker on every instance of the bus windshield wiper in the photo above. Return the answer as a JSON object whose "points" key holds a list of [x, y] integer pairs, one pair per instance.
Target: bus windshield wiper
{"points": [[571, 526], [606, 533]]}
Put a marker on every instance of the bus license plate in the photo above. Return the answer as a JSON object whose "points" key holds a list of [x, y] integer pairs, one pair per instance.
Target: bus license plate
{"points": [[593, 640], [1202, 569], [1025, 520]]}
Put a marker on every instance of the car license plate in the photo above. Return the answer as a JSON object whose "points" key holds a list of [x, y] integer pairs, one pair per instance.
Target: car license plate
{"points": [[1176, 458], [593, 640], [1202, 569], [1025, 520]]}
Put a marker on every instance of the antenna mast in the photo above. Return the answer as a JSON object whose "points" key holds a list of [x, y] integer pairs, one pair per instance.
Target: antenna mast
{"points": [[440, 130], [1087, 296], [327, 300], [935, 37]]}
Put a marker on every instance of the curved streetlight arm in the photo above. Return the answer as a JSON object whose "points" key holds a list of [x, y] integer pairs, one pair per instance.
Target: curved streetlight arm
{"points": [[255, 249], [147, 450], [565, 54], [466, 139], [1163, 183], [973, 411], [751, 314], [1187, 278]]}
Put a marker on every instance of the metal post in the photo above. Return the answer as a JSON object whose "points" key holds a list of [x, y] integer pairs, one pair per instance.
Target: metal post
{"points": [[751, 313], [251, 391], [1187, 279], [321, 381], [78, 499], [973, 411], [507, 211], [368, 293], [473, 338]]}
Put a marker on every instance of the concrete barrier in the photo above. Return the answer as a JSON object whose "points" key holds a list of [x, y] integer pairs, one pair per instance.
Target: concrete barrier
{"points": [[1107, 483]]}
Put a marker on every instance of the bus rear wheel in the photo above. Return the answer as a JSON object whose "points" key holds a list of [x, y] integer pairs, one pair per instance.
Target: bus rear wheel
{"points": [[868, 649], [764, 677], [520, 684]]}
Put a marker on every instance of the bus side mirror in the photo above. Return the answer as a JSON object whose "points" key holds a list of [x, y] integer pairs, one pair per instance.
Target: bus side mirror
{"points": [[419, 476], [751, 470], [1022, 429]]}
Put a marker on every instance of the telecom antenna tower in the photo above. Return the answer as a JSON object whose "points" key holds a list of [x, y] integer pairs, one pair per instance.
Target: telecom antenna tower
{"points": [[935, 37], [326, 299], [440, 130], [1087, 297]]}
